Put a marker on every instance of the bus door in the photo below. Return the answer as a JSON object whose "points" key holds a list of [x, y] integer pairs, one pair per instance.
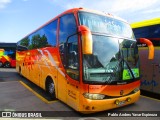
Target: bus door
{"points": [[72, 70], [68, 84]]}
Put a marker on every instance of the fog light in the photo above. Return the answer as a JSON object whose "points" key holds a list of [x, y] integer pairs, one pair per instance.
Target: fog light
{"points": [[117, 102], [128, 99]]}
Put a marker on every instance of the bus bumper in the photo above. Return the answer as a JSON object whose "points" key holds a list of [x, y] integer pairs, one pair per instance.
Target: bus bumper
{"points": [[91, 106]]}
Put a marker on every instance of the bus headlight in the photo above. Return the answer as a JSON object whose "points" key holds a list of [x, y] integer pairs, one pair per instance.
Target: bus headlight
{"points": [[93, 96], [136, 90]]}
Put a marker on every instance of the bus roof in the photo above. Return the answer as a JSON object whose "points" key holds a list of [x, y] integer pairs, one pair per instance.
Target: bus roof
{"points": [[144, 23]]}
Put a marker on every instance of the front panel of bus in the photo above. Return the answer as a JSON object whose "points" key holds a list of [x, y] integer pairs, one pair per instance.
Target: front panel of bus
{"points": [[111, 73]]}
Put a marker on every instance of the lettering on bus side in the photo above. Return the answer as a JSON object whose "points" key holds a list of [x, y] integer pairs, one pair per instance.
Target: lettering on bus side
{"points": [[72, 94], [149, 83]]}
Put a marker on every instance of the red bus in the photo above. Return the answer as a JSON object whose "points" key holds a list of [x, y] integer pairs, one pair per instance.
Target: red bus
{"points": [[7, 55], [85, 58]]}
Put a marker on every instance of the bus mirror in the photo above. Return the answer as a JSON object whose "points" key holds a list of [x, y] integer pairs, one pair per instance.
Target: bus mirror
{"points": [[87, 42], [150, 46]]}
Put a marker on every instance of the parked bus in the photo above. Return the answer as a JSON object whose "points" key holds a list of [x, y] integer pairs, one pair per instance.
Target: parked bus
{"points": [[87, 59], [150, 69], [7, 55]]}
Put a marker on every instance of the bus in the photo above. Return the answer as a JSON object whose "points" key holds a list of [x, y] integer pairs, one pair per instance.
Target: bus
{"points": [[7, 55], [150, 69], [85, 58]]}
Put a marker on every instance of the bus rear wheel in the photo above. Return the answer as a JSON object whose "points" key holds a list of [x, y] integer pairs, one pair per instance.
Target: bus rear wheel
{"points": [[7, 64], [51, 88]]}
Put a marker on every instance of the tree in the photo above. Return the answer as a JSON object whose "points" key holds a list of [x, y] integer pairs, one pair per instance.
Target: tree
{"points": [[38, 41], [43, 41], [25, 42]]}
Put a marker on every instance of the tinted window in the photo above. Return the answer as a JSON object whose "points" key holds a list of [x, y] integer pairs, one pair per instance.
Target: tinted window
{"points": [[49, 33], [69, 45], [44, 37], [67, 28], [23, 44], [149, 32]]}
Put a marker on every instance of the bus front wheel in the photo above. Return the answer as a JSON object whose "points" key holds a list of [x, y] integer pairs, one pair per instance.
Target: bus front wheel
{"points": [[50, 88]]}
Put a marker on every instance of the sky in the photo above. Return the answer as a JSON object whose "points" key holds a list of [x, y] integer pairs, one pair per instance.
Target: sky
{"points": [[20, 17]]}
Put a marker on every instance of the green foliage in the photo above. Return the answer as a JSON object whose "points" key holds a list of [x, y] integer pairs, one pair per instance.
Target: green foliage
{"points": [[25, 42], [38, 41]]}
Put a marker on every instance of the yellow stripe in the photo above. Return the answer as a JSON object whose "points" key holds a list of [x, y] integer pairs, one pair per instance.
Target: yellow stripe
{"points": [[151, 98], [144, 23], [39, 96]]}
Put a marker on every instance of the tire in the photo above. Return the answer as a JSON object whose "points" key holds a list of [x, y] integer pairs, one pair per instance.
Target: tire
{"points": [[50, 87], [1, 64], [7, 64]]}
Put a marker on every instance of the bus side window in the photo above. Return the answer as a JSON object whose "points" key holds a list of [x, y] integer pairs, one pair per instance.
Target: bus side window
{"points": [[23, 44], [69, 48]]}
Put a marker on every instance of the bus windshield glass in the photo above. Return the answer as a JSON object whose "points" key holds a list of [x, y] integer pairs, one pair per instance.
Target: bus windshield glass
{"points": [[103, 24], [115, 56]]}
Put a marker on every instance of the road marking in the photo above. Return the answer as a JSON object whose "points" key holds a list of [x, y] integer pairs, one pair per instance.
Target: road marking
{"points": [[38, 95], [151, 98]]}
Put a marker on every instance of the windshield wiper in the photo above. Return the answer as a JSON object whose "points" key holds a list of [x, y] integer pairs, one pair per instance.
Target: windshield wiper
{"points": [[123, 60]]}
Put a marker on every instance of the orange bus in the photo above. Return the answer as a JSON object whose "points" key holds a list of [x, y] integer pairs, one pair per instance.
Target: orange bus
{"points": [[85, 58], [150, 69]]}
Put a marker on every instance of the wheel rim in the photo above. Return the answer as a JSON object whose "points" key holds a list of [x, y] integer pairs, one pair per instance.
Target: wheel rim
{"points": [[51, 88], [7, 64]]}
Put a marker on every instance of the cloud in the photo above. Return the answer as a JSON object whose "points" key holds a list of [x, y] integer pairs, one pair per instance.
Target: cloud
{"points": [[3, 3], [127, 9], [134, 5], [108, 5], [151, 11]]}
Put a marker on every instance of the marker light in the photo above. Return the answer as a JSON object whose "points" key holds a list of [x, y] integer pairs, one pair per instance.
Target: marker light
{"points": [[93, 96], [117, 102]]}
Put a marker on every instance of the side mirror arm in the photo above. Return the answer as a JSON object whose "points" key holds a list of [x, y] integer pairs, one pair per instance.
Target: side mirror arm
{"points": [[150, 46]]}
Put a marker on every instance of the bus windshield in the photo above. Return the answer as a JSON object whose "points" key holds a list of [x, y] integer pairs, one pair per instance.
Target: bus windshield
{"points": [[103, 24], [114, 58]]}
